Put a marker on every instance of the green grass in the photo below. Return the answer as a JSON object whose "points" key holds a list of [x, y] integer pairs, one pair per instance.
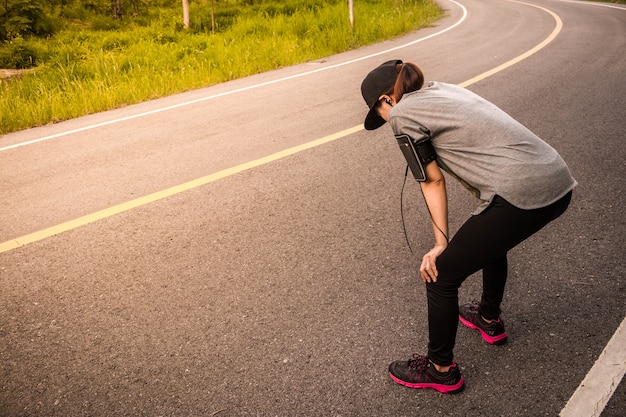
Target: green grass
{"points": [[82, 71]]}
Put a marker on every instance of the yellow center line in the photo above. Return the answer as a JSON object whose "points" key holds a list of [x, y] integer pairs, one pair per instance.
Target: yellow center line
{"points": [[168, 192], [546, 41]]}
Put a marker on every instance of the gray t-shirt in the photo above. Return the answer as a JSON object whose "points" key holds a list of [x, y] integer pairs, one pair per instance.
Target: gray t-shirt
{"points": [[483, 147]]}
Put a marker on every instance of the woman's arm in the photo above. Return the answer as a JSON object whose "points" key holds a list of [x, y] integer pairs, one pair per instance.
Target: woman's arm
{"points": [[434, 189]]}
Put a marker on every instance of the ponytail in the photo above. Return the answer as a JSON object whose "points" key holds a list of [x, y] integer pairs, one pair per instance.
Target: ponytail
{"points": [[410, 78]]}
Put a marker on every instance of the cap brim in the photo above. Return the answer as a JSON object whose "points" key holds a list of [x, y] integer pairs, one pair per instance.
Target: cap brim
{"points": [[373, 120]]}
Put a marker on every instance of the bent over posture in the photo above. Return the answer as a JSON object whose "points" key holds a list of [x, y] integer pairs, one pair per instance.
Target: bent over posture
{"points": [[521, 182]]}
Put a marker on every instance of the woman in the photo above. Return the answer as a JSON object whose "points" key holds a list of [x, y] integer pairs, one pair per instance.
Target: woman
{"points": [[521, 182]]}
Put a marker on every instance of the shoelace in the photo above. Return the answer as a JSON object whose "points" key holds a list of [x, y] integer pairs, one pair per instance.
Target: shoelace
{"points": [[418, 362], [474, 306]]}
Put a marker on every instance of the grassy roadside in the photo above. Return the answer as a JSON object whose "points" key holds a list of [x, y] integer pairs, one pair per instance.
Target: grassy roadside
{"points": [[84, 71]]}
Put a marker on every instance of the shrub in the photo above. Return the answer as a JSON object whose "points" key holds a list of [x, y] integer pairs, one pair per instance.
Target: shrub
{"points": [[17, 54]]}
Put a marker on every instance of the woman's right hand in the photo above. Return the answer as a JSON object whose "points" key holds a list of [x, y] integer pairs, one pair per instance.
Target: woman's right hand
{"points": [[428, 269]]}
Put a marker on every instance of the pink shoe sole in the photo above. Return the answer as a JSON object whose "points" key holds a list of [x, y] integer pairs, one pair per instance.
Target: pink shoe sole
{"points": [[446, 389], [492, 340]]}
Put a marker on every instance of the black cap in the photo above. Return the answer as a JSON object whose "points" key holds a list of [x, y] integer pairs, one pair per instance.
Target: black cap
{"points": [[377, 83]]}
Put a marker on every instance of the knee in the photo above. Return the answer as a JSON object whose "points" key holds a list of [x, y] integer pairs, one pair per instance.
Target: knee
{"points": [[442, 288]]}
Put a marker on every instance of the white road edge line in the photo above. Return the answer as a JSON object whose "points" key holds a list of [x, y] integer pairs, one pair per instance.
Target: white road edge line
{"points": [[588, 3], [239, 90], [595, 391]]}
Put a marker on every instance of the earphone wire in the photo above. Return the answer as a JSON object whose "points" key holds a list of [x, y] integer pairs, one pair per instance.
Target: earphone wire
{"points": [[406, 236]]}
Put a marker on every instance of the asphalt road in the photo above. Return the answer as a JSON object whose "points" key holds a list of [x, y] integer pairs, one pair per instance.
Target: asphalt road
{"points": [[286, 288]]}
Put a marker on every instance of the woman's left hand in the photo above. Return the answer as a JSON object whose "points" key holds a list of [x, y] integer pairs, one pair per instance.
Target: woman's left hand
{"points": [[428, 270]]}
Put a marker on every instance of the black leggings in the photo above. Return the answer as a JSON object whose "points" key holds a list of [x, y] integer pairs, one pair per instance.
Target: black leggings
{"points": [[481, 243]]}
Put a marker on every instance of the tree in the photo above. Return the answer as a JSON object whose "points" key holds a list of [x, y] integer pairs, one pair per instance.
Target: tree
{"points": [[22, 18]]}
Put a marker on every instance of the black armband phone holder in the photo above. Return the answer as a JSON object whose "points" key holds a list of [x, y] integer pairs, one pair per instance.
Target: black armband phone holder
{"points": [[417, 154]]}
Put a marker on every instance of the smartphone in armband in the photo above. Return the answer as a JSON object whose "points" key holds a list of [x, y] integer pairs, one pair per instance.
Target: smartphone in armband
{"points": [[417, 154]]}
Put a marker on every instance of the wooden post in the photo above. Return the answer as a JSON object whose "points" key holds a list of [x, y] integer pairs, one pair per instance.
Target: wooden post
{"points": [[212, 17], [351, 7], [186, 14]]}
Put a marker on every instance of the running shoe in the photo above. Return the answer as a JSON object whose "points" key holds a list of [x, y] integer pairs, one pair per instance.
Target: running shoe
{"points": [[493, 333], [419, 372]]}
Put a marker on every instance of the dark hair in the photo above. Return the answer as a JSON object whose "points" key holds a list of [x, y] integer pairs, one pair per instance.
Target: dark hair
{"points": [[410, 78]]}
